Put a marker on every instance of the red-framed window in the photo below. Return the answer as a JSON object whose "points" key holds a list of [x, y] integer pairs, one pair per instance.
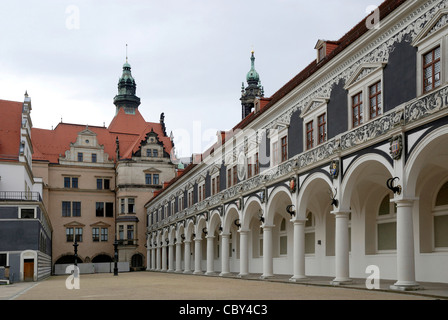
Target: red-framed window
{"points": [[322, 128], [431, 70], [309, 135], [284, 148], [375, 100], [357, 112], [257, 165]]}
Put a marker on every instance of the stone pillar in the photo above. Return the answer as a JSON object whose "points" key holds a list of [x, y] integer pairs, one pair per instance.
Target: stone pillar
{"points": [[163, 257], [210, 255], [225, 268], [153, 258], [405, 247], [159, 260], [268, 263], [244, 253], [342, 249], [299, 251], [178, 256], [197, 256], [148, 257], [171, 257], [187, 258]]}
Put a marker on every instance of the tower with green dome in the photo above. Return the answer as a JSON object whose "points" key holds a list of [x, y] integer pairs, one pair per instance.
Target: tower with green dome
{"points": [[126, 98], [253, 90]]}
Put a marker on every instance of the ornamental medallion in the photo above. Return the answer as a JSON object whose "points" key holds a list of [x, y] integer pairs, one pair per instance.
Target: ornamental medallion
{"points": [[396, 147]]}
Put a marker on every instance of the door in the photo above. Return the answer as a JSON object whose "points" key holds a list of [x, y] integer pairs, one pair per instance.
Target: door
{"points": [[28, 270]]}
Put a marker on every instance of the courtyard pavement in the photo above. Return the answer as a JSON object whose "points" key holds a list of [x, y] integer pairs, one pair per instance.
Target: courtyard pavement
{"points": [[149, 285]]}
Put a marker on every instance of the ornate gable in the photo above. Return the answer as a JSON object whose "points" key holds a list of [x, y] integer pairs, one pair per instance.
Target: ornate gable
{"points": [[151, 147], [435, 25]]}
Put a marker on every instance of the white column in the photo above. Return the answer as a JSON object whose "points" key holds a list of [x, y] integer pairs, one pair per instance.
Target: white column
{"points": [[187, 256], [178, 256], [299, 251], [159, 261], [163, 257], [197, 256], [210, 255], [244, 253], [153, 258], [268, 263], [342, 249], [148, 257], [225, 268], [405, 247], [171, 257]]}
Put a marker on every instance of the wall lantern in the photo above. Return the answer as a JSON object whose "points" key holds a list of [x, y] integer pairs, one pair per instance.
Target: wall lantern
{"points": [[334, 201], [237, 223], [291, 210], [390, 186]]}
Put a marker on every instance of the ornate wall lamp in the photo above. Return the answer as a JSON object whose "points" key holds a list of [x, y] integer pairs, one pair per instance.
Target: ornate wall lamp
{"points": [[237, 223], [291, 210], [260, 215], [390, 185], [334, 201]]}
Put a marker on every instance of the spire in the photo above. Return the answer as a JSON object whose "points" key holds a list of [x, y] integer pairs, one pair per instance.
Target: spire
{"points": [[126, 97], [253, 90], [252, 75]]}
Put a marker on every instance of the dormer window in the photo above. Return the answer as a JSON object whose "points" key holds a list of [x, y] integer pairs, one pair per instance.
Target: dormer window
{"points": [[324, 48]]}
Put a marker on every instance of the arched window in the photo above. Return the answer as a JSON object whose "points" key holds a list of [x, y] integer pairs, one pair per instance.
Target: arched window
{"points": [[387, 225], [440, 213], [283, 238], [310, 237]]}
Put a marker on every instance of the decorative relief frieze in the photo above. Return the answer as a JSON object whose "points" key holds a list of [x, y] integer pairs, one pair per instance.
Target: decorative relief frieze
{"points": [[376, 52]]}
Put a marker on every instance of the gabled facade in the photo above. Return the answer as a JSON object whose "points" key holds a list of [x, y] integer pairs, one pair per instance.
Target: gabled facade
{"points": [[97, 180], [342, 168], [25, 227]]}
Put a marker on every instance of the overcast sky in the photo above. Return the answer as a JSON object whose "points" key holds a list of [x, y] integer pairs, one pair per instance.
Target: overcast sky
{"points": [[188, 57]]}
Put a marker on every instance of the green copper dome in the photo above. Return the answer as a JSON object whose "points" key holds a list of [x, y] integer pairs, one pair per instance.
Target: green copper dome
{"points": [[252, 75]]}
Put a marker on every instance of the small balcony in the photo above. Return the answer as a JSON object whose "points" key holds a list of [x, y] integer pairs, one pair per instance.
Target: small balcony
{"points": [[20, 196], [127, 242]]}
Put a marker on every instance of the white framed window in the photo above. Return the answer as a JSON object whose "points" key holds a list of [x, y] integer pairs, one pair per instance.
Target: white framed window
{"points": [[315, 123], [279, 145], [432, 59], [201, 189], [27, 213], [283, 241], [310, 233], [386, 225], [365, 94], [440, 219]]}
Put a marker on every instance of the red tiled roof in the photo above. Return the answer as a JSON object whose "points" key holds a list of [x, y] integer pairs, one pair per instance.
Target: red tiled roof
{"points": [[10, 125], [130, 129]]}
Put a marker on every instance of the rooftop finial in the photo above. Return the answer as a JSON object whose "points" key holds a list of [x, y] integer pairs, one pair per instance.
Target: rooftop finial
{"points": [[126, 53]]}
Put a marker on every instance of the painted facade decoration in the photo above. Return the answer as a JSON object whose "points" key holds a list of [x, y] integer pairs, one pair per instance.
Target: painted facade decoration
{"points": [[365, 138]]}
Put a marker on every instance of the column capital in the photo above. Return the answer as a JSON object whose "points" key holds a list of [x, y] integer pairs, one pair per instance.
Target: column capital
{"points": [[341, 213], [298, 221], [404, 202], [225, 235]]}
